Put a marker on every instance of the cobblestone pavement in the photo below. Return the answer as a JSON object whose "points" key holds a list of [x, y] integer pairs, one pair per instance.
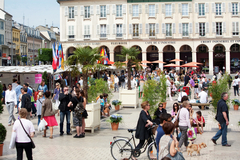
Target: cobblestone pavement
{"points": [[96, 146]]}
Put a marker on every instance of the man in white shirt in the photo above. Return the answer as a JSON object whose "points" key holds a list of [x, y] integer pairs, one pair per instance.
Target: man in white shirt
{"points": [[10, 102], [181, 94], [169, 88], [203, 96], [116, 81], [81, 82], [133, 83]]}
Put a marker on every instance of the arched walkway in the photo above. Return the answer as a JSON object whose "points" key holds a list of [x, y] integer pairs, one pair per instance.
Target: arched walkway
{"points": [[168, 53], [185, 54], [117, 51], [203, 56], [235, 58], [140, 54], [70, 51], [219, 62], [152, 55]]}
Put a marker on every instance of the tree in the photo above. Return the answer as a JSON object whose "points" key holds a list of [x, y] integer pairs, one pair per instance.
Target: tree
{"points": [[46, 55], [87, 58], [131, 54], [24, 59], [119, 65]]}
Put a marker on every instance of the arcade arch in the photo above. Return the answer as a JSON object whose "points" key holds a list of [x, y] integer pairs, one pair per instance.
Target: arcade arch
{"points": [[185, 54], [234, 58], [219, 53]]}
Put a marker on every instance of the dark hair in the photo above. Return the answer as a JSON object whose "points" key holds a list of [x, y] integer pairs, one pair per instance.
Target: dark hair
{"points": [[82, 93], [166, 158], [184, 98], [24, 89], [223, 94], [174, 106], [105, 94], [78, 92], [236, 77], [199, 113], [160, 104], [18, 83], [47, 94], [9, 84], [14, 80], [26, 84], [101, 96], [79, 84], [163, 117], [168, 127]]}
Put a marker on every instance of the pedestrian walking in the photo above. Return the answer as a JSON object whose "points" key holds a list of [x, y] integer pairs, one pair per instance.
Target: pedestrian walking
{"points": [[64, 110], [42, 87], [18, 93], [236, 86], [26, 102], [84, 114], [116, 81], [223, 118], [10, 102], [40, 100], [57, 91]]}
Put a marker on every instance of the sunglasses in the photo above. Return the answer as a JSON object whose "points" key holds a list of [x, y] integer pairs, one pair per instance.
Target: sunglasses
{"points": [[160, 106]]}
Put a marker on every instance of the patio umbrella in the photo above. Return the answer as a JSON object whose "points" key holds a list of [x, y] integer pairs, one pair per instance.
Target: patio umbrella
{"points": [[146, 62], [158, 62], [176, 60], [196, 63], [110, 62], [171, 65], [189, 65], [140, 65]]}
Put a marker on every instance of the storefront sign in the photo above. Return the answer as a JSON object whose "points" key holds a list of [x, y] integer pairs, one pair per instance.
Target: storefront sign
{"points": [[38, 78], [87, 44], [118, 43], [161, 42], [221, 41]]}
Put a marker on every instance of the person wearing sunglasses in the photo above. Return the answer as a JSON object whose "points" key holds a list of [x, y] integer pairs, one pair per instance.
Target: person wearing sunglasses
{"points": [[158, 112]]}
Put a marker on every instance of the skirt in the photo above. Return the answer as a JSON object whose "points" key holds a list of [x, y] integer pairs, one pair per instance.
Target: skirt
{"points": [[51, 121]]}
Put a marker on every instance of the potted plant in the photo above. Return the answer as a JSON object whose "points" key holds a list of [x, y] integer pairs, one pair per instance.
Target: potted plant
{"points": [[115, 119], [117, 104], [3, 133], [235, 103]]}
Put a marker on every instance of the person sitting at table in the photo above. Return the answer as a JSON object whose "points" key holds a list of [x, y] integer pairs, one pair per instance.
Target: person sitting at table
{"points": [[203, 97]]}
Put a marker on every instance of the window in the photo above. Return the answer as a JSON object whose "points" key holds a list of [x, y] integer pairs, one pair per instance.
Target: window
{"points": [[119, 30], [151, 10], [102, 11], [151, 29], [119, 11], [185, 9], [168, 8], [135, 30], [235, 30], [234, 8], [169, 29], [103, 32], [87, 32], [202, 30], [135, 11], [201, 8], [71, 12], [219, 28], [70, 31], [185, 29], [87, 12], [2, 25], [218, 9]]}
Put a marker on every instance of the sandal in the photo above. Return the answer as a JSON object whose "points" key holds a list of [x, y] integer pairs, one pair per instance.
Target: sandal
{"points": [[51, 137], [44, 135]]}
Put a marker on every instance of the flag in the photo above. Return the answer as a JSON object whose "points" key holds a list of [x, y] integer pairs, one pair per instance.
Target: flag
{"points": [[62, 63], [106, 60], [57, 56], [54, 63], [60, 55], [101, 54]]}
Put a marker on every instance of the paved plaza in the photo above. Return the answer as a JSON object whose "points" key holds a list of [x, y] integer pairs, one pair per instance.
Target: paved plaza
{"points": [[96, 146]]}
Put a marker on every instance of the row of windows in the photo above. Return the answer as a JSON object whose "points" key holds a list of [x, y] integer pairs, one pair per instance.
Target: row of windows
{"points": [[152, 9], [153, 28]]}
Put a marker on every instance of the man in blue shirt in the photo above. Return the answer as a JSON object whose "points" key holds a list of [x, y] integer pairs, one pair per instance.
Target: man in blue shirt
{"points": [[65, 79], [18, 92], [29, 91], [163, 119]]}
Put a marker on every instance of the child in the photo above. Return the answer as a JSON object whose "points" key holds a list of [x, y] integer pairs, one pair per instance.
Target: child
{"points": [[39, 105], [102, 104], [200, 120]]}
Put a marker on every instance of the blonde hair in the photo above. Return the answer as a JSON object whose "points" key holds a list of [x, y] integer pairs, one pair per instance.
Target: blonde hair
{"points": [[57, 84], [185, 103], [144, 104], [40, 94]]}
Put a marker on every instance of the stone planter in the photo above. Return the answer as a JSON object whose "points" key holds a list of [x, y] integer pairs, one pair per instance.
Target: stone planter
{"points": [[117, 107], [235, 107], [114, 126], [129, 98]]}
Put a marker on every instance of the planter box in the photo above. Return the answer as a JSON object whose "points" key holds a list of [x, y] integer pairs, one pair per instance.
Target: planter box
{"points": [[129, 98]]}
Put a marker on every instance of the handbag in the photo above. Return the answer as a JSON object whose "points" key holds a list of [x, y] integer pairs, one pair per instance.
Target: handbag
{"points": [[178, 155], [177, 120], [32, 143], [12, 144], [192, 133]]}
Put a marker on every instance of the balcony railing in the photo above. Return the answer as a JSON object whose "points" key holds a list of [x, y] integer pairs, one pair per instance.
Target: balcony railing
{"points": [[103, 35], [119, 35], [71, 36], [87, 36]]}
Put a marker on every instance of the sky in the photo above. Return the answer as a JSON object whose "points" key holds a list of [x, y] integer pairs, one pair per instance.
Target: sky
{"points": [[36, 12]]}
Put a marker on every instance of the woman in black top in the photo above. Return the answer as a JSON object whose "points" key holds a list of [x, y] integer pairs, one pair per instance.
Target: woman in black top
{"points": [[77, 122], [144, 120]]}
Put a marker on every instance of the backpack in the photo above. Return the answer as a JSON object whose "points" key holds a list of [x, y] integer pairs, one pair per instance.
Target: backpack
{"points": [[122, 78], [79, 109], [28, 104]]}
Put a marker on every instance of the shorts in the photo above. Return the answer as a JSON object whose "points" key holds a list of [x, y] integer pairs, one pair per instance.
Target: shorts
{"points": [[77, 121]]}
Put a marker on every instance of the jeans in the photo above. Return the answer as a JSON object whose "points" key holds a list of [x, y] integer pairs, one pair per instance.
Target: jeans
{"points": [[18, 105], [184, 137], [39, 119], [123, 84], [62, 114], [28, 149], [10, 108], [33, 108], [236, 89], [223, 132], [115, 87]]}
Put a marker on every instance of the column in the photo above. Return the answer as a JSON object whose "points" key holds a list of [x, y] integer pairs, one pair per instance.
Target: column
{"points": [[194, 57], [144, 57], [177, 56], [228, 63], [210, 54], [112, 56], [160, 58]]}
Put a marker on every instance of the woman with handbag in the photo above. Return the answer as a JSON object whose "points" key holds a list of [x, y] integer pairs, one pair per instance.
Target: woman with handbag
{"points": [[48, 114], [24, 130], [85, 114], [168, 144]]}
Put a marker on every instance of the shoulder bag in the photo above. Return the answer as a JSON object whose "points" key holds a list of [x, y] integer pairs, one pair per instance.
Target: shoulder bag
{"points": [[177, 120], [178, 155], [32, 143]]}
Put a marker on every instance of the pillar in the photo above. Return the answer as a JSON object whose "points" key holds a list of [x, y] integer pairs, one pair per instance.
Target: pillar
{"points": [[177, 56], [160, 58], [228, 63], [210, 57], [194, 57], [112, 56], [144, 57]]}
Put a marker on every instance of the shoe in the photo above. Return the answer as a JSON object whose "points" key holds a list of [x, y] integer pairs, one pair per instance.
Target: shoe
{"points": [[16, 113], [227, 145], [80, 136], [69, 133], [61, 134], [214, 141], [76, 136], [9, 124], [83, 134]]}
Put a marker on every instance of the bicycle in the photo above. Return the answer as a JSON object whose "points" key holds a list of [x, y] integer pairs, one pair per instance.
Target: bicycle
{"points": [[122, 149]]}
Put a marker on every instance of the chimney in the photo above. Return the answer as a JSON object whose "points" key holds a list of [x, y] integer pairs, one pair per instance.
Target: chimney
{"points": [[2, 4]]}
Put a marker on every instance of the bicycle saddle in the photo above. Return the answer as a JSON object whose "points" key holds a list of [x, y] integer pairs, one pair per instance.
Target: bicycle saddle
{"points": [[131, 130]]}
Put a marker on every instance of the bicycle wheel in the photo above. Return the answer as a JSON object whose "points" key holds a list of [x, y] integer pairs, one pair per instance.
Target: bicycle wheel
{"points": [[152, 151], [121, 149]]}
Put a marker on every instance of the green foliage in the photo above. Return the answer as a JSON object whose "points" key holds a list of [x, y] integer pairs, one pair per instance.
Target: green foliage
{"points": [[116, 102], [1, 106], [44, 76], [3, 133], [18, 57], [24, 59], [217, 88], [119, 65], [46, 55], [100, 87], [235, 102], [163, 86], [152, 92], [115, 118]]}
